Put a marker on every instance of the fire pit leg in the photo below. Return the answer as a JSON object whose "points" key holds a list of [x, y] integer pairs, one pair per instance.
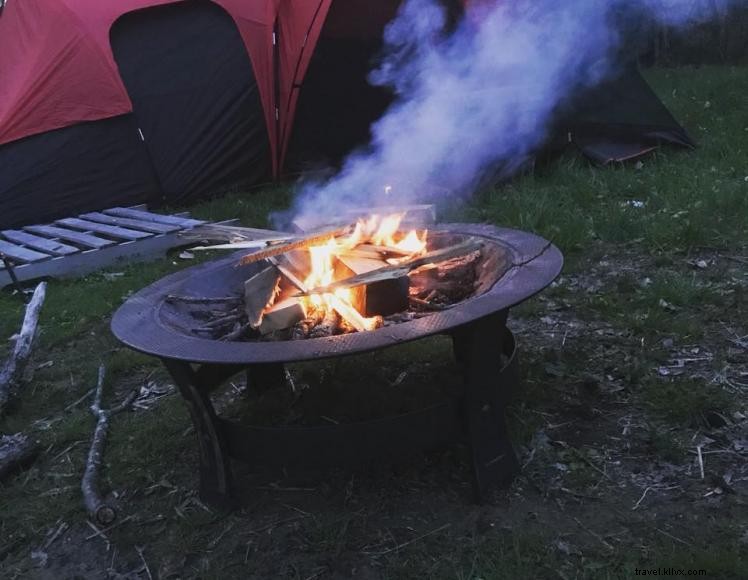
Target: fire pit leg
{"points": [[216, 479], [477, 349]]}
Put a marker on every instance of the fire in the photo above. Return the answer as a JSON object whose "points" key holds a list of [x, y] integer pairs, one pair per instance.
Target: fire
{"points": [[381, 232]]}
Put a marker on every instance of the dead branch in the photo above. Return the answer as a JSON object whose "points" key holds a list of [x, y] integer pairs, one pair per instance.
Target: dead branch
{"points": [[304, 242], [401, 269], [16, 451], [12, 371], [96, 506]]}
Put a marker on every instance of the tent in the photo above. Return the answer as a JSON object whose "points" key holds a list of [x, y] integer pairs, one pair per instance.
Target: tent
{"points": [[168, 101]]}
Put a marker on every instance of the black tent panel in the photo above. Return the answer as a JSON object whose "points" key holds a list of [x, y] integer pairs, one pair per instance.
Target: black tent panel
{"points": [[624, 109], [83, 167], [194, 96]]}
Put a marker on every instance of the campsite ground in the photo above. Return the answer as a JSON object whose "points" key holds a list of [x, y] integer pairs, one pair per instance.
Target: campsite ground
{"points": [[635, 358]]}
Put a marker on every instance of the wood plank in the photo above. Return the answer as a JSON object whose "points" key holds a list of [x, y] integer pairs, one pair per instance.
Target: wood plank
{"points": [[45, 245], [82, 263], [153, 217], [21, 254], [153, 227], [116, 232], [86, 240]]}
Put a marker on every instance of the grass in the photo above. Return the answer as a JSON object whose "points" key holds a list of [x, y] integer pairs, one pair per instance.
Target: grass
{"points": [[630, 283]]}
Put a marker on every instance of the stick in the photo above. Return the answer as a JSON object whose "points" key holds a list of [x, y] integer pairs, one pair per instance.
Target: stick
{"points": [[203, 300], [259, 243], [409, 542], [305, 242], [15, 452], [402, 269], [96, 506], [12, 371]]}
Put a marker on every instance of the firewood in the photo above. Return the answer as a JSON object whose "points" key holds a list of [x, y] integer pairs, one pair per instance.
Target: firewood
{"points": [[383, 249], [245, 244], [220, 232], [328, 326], [96, 506], [12, 371], [16, 452], [378, 298], [287, 273], [393, 272], [237, 332], [283, 314], [260, 292], [304, 242]]}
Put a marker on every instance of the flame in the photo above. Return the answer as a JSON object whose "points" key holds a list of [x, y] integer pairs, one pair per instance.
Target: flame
{"points": [[378, 230]]}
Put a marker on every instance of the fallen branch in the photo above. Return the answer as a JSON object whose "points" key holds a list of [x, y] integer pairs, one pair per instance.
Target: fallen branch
{"points": [[305, 242], [16, 451], [12, 371], [401, 269], [96, 506]]}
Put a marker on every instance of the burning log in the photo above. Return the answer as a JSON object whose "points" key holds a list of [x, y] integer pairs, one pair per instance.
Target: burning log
{"points": [[392, 272], [311, 240], [328, 326], [281, 315], [378, 298], [96, 506], [12, 372], [260, 292]]}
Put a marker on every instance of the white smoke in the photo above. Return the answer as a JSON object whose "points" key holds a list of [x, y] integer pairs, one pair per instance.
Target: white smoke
{"points": [[483, 94]]}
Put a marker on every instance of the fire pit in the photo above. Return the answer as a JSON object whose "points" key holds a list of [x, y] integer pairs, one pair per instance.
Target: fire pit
{"points": [[512, 266]]}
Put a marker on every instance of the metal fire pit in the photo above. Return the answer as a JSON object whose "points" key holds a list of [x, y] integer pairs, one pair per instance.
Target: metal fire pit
{"points": [[517, 266]]}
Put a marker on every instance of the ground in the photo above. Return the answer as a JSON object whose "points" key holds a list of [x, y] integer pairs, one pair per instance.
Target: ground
{"points": [[631, 425]]}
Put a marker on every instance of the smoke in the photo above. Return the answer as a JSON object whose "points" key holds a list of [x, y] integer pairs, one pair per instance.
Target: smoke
{"points": [[483, 94]]}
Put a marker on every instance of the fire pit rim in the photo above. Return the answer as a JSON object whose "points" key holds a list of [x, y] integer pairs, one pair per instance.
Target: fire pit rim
{"points": [[534, 264]]}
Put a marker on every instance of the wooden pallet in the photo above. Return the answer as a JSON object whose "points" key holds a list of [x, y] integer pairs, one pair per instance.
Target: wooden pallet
{"points": [[76, 246]]}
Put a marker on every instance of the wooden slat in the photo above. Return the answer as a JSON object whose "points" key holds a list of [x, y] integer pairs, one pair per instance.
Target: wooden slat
{"points": [[86, 240], [46, 245], [141, 225], [21, 254], [116, 232], [153, 217]]}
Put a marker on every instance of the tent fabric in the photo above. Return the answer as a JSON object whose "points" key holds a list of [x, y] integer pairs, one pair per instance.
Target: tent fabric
{"points": [[74, 169], [190, 82], [58, 68], [196, 95]]}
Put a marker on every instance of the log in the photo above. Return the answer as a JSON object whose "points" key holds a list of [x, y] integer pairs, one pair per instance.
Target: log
{"points": [[378, 298], [96, 506], [283, 314], [16, 452], [328, 326], [260, 292], [304, 242], [402, 269], [12, 372]]}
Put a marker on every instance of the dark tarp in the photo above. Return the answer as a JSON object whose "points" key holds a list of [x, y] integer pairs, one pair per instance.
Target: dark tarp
{"points": [[74, 169], [194, 98]]}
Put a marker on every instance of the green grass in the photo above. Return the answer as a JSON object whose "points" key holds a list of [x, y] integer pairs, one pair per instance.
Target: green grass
{"points": [[693, 201]]}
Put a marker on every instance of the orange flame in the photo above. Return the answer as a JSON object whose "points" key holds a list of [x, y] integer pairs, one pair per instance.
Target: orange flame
{"points": [[381, 231]]}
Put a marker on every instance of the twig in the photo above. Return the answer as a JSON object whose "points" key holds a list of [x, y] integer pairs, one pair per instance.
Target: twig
{"points": [[595, 535], [96, 506], [701, 460], [140, 550], [641, 499], [12, 371], [79, 401], [409, 542], [203, 300]]}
